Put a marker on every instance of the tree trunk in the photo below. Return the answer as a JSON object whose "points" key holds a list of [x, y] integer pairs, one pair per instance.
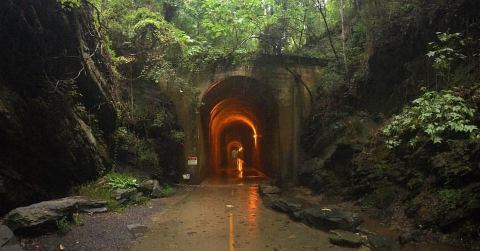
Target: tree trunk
{"points": [[320, 8], [344, 37]]}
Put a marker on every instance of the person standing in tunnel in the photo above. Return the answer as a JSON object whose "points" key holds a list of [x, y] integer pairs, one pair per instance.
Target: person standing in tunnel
{"points": [[234, 157]]}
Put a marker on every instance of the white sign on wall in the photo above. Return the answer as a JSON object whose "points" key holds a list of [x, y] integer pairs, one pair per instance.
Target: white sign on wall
{"points": [[192, 161]]}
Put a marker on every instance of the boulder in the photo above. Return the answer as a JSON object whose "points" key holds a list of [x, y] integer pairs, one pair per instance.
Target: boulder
{"points": [[15, 247], [265, 189], [281, 204], [328, 219], [125, 195], [157, 192], [148, 186], [382, 243], [137, 197], [95, 210], [137, 230], [6, 236], [345, 238], [49, 211]]}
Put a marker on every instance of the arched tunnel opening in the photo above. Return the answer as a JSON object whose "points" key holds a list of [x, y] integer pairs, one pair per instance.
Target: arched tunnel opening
{"points": [[240, 125]]}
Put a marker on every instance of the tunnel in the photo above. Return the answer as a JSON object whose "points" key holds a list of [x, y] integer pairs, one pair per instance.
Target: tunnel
{"points": [[240, 125]]}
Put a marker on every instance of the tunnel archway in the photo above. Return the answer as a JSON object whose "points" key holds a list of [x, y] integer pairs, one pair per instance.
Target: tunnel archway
{"points": [[239, 117]]}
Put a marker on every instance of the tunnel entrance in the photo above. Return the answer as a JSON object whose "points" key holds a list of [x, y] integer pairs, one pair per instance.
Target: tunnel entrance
{"points": [[240, 127]]}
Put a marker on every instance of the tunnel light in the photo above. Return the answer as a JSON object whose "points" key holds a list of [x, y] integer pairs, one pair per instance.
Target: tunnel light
{"points": [[240, 149], [255, 139]]}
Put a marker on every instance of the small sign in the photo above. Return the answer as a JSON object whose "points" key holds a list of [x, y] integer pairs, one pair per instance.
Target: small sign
{"points": [[186, 176], [192, 161]]}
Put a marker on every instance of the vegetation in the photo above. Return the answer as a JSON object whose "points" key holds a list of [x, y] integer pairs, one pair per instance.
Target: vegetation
{"points": [[64, 224], [167, 191], [414, 56], [98, 191], [434, 117], [121, 181]]}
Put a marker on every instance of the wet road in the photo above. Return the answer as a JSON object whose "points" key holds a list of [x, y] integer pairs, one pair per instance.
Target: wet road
{"points": [[226, 213]]}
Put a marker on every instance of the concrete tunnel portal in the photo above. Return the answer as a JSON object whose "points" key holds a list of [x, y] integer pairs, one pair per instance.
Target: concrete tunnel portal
{"points": [[240, 126]]}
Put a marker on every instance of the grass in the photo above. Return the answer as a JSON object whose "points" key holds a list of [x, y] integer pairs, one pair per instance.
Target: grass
{"points": [[121, 180], [65, 224], [168, 191], [102, 189], [98, 191]]}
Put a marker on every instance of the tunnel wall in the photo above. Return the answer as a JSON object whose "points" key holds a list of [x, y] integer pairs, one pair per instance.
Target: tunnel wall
{"points": [[293, 105]]}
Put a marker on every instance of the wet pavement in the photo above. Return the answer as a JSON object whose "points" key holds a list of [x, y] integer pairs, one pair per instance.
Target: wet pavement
{"points": [[226, 213]]}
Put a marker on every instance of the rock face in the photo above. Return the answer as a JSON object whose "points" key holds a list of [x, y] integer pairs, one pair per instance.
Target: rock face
{"points": [[52, 70], [328, 219], [48, 211]]}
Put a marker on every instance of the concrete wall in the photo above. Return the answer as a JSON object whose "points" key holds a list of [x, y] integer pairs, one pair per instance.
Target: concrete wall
{"points": [[292, 102]]}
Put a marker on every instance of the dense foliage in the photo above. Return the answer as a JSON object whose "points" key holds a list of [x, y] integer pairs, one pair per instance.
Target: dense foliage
{"points": [[434, 117]]}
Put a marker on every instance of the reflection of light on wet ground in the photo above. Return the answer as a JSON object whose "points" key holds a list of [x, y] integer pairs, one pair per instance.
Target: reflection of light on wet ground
{"points": [[240, 167], [227, 176], [252, 205]]}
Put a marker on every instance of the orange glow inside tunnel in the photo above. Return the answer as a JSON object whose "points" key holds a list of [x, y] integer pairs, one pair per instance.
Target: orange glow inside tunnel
{"points": [[225, 119]]}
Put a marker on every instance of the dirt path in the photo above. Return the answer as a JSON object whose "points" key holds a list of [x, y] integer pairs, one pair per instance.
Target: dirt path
{"points": [[229, 217], [224, 213], [106, 231]]}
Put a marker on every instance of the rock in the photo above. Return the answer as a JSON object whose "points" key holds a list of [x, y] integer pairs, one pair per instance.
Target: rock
{"points": [[382, 243], [148, 186], [157, 192], [49, 211], [328, 219], [15, 247], [6, 236], [265, 189], [124, 195], [281, 204], [345, 238], [95, 210], [137, 230], [297, 216], [137, 197]]}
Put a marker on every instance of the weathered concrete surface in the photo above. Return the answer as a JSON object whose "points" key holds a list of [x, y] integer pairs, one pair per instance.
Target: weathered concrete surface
{"points": [[281, 82], [218, 216]]}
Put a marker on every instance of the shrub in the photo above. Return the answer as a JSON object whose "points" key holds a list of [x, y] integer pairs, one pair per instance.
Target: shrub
{"points": [[120, 180], [435, 116], [69, 4], [63, 225], [147, 159]]}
